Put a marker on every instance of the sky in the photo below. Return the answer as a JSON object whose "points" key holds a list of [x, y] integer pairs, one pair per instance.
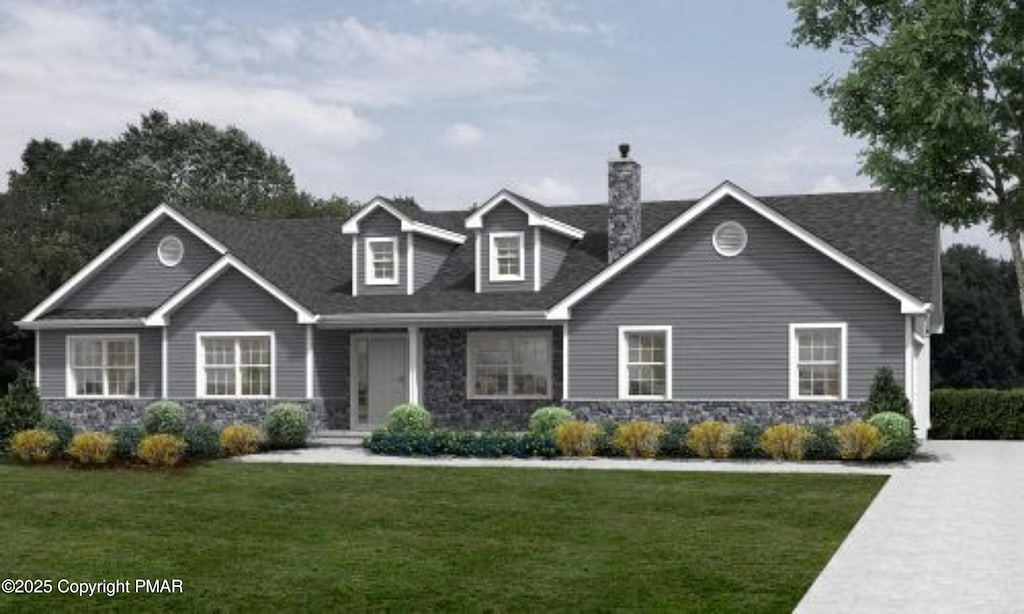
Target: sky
{"points": [[448, 101]]}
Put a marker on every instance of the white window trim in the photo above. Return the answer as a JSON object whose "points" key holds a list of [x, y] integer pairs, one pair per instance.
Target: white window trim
{"points": [[471, 367], [492, 256], [370, 278], [624, 361], [794, 355], [201, 364], [69, 377]]}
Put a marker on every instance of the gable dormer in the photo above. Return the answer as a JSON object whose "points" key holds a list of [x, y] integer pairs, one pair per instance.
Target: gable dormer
{"points": [[517, 247], [393, 253]]}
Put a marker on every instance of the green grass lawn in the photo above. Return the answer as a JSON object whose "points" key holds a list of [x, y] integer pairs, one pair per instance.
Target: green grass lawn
{"points": [[265, 537]]}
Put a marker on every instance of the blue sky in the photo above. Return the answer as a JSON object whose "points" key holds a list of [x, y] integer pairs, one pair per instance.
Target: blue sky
{"points": [[447, 100]]}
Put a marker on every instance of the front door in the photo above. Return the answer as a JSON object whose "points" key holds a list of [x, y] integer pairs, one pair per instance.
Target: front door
{"points": [[380, 365]]}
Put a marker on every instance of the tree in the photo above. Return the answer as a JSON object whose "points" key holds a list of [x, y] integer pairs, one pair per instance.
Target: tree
{"points": [[936, 88]]}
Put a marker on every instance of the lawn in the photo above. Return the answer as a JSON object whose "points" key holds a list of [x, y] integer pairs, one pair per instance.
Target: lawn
{"points": [[263, 537]]}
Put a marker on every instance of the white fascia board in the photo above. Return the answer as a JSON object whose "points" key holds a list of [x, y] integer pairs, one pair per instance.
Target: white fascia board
{"points": [[351, 226], [908, 303], [159, 316], [116, 248], [433, 231], [533, 218], [81, 323]]}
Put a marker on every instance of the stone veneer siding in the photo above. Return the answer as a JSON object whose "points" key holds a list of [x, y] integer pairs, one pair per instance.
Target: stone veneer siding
{"points": [[763, 413], [444, 383], [105, 414]]}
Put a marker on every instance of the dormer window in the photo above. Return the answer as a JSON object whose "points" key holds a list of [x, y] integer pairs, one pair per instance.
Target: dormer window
{"points": [[382, 261], [507, 257]]}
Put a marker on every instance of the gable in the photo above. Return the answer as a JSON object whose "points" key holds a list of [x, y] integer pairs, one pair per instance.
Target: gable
{"points": [[380, 223], [504, 217]]}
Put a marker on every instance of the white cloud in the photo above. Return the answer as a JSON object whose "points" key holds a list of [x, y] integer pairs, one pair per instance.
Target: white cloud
{"points": [[462, 135], [540, 15], [549, 190], [829, 183]]}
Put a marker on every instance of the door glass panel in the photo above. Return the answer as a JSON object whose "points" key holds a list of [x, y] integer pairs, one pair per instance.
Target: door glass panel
{"points": [[362, 381]]}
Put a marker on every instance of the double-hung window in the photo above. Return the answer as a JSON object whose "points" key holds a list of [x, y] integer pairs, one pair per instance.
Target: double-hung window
{"points": [[236, 365], [381, 261], [817, 361], [645, 362], [103, 366], [509, 365], [507, 255]]}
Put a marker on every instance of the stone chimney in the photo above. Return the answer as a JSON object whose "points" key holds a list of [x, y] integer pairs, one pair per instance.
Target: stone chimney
{"points": [[623, 204]]}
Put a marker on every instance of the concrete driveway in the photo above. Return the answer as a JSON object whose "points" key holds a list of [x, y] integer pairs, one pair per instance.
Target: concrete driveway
{"points": [[945, 536]]}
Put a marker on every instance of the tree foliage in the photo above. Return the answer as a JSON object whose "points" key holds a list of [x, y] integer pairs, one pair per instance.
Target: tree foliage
{"points": [[936, 89], [67, 203]]}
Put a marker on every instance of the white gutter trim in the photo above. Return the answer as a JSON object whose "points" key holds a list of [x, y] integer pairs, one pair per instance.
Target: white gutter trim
{"points": [[533, 218], [351, 226], [80, 323]]}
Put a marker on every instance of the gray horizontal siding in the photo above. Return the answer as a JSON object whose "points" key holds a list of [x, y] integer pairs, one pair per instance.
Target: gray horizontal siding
{"points": [[553, 249], [505, 218], [233, 303], [380, 223], [331, 356], [428, 257], [136, 278], [53, 359], [731, 316]]}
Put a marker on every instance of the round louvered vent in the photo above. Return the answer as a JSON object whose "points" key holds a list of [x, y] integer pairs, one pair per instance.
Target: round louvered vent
{"points": [[170, 251], [729, 239]]}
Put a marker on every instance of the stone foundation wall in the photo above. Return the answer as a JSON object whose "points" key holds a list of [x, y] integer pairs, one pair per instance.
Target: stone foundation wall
{"points": [[758, 412], [105, 414]]}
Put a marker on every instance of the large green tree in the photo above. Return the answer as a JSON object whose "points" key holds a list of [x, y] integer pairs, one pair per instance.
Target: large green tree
{"points": [[67, 203], [936, 89]]}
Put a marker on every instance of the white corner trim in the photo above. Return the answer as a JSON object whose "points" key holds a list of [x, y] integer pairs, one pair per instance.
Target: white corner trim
{"points": [[908, 357], [536, 258], [794, 355], [159, 316], [355, 266], [476, 262], [623, 347], [69, 376], [116, 248], [369, 273], [492, 256], [310, 361], [533, 218], [201, 364], [413, 353], [39, 383], [410, 268], [565, 360], [908, 303], [351, 226], [163, 363]]}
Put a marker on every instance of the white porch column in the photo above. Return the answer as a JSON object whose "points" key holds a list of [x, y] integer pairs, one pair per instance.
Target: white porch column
{"points": [[414, 364]]}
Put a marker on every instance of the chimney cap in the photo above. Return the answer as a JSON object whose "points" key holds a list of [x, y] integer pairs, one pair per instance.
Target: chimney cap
{"points": [[624, 150]]}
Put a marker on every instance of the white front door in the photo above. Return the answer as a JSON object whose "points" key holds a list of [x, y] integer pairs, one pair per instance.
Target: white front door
{"points": [[380, 364]]}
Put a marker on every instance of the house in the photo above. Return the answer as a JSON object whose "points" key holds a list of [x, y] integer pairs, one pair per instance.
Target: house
{"points": [[729, 306]]}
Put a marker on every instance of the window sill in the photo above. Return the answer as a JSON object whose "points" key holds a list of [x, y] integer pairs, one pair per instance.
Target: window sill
{"points": [[509, 398], [378, 282], [498, 280], [102, 396], [816, 398]]}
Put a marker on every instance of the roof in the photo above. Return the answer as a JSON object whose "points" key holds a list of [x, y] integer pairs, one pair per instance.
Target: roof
{"points": [[309, 258]]}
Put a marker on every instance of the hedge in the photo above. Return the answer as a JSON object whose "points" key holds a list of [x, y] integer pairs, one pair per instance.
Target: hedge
{"points": [[977, 414]]}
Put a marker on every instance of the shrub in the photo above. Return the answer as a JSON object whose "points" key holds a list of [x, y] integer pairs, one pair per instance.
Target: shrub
{"points": [[21, 409], [747, 442], [857, 440], [898, 440], [33, 445], [977, 414], [239, 439], [495, 444], [639, 438], [286, 426], [673, 440], [822, 445], [408, 418], [59, 427], [886, 395], [785, 441], [126, 440], [165, 417], [203, 441], [576, 438], [711, 439], [605, 445], [91, 448], [543, 446], [545, 420], [162, 450]]}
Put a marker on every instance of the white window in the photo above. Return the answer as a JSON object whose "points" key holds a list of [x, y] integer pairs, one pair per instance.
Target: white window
{"points": [[170, 251], [506, 256], [509, 365], [103, 366], [382, 261], [817, 361], [235, 364], [645, 362]]}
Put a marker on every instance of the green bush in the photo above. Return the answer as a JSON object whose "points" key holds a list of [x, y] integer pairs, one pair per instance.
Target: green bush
{"points": [[126, 440], [543, 446], [977, 414], [887, 395], [286, 426], [408, 418], [59, 427], [165, 417], [673, 440], [203, 441], [822, 445], [545, 420], [605, 445], [898, 440], [747, 442], [455, 442], [21, 409], [495, 444]]}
